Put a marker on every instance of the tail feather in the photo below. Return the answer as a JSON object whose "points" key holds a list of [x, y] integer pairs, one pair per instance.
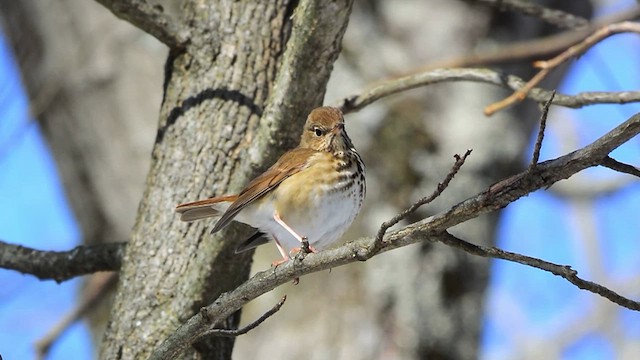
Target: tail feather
{"points": [[206, 208], [254, 241]]}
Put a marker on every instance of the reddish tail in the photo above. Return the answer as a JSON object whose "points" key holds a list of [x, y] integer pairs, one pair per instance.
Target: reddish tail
{"points": [[205, 208]]}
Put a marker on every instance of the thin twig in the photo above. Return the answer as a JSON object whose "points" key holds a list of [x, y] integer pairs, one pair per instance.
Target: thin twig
{"points": [[552, 16], [543, 126], [440, 71], [616, 165], [377, 244], [249, 327], [487, 76], [560, 270], [547, 66], [93, 296], [527, 49]]}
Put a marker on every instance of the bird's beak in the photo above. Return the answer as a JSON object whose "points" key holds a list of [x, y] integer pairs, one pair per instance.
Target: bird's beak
{"points": [[337, 129]]}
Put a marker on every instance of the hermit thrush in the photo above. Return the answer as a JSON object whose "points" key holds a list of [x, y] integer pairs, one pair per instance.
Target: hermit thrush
{"points": [[312, 193]]}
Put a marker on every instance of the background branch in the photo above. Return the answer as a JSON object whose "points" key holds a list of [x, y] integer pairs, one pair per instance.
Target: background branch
{"points": [[529, 49], [618, 166], [431, 229], [61, 265], [543, 125], [249, 327], [415, 206], [563, 271], [97, 291], [547, 66], [487, 76], [552, 16], [150, 18]]}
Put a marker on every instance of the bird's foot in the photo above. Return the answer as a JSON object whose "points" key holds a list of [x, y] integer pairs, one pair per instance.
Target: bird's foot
{"points": [[277, 263], [304, 249]]}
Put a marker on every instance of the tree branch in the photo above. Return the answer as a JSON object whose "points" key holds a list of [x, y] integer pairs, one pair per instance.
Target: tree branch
{"points": [[552, 16], [563, 271], [249, 327], [543, 125], [430, 229], [62, 265], [529, 49], [547, 66], [616, 165], [512, 82], [98, 291], [150, 18], [377, 244]]}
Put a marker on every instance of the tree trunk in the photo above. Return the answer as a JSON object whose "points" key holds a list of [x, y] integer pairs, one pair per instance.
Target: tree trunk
{"points": [[220, 122]]}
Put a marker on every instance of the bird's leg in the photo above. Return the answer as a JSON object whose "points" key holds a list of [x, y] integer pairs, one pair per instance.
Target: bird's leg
{"points": [[302, 239], [279, 220], [283, 252]]}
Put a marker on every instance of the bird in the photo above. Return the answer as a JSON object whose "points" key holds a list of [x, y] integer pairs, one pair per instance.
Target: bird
{"points": [[305, 201]]}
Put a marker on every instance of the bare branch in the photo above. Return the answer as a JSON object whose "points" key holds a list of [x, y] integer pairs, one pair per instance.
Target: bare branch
{"points": [[430, 229], [93, 296], [359, 101], [150, 18], [529, 49], [249, 327], [62, 265], [440, 71], [415, 206], [560, 270], [552, 16], [547, 66], [616, 165], [543, 126]]}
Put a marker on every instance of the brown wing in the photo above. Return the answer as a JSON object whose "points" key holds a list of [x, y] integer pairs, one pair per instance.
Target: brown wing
{"points": [[203, 208], [290, 163]]}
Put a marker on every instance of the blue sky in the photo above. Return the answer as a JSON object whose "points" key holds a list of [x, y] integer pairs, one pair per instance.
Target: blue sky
{"points": [[38, 216]]}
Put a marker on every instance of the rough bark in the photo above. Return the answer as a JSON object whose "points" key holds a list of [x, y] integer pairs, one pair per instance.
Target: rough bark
{"points": [[214, 133]]}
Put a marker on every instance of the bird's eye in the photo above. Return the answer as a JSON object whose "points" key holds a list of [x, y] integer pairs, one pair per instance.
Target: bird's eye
{"points": [[318, 131]]}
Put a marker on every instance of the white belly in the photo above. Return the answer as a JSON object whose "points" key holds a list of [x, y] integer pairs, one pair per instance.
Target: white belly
{"points": [[323, 220]]}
